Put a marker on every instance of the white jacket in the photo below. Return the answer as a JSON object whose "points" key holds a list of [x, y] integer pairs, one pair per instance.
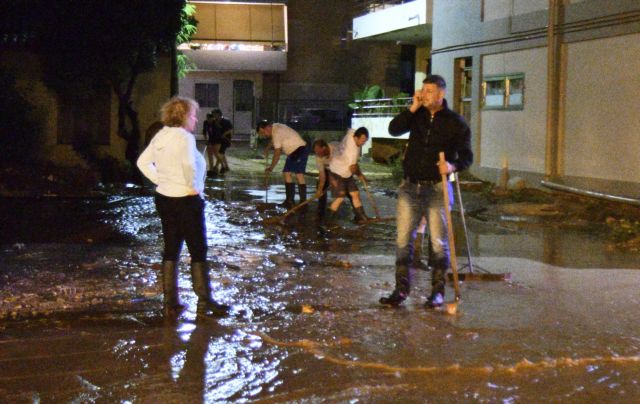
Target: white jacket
{"points": [[173, 163]]}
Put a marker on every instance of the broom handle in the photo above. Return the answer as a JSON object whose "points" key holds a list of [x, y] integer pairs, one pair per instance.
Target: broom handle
{"points": [[452, 243], [373, 203], [298, 206], [464, 223]]}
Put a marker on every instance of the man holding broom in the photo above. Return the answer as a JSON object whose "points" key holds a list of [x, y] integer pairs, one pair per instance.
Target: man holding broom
{"points": [[284, 139], [432, 128], [343, 166]]}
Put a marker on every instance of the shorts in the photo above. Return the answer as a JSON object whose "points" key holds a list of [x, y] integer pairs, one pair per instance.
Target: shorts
{"points": [[297, 161], [340, 187], [215, 140], [224, 145]]}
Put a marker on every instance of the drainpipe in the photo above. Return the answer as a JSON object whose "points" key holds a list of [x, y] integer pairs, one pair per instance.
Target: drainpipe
{"points": [[553, 94]]}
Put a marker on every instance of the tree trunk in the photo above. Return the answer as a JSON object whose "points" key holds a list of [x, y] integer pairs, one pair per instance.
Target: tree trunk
{"points": [[129, 130], [174, 72]]}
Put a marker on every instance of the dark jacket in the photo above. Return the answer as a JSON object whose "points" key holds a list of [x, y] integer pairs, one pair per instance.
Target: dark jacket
{"points": [[428, 136]]}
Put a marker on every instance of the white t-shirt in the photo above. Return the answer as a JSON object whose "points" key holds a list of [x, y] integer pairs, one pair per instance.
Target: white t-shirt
{"points": [[322, 163], [173, 163], [286, 138], [346, 155]]}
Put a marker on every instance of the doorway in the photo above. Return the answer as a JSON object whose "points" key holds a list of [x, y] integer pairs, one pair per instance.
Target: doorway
{"points": [[243, 109]]}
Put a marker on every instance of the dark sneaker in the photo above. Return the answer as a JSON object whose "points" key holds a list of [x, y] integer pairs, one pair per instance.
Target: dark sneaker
{"points": [[394, 299], [434, 301]]}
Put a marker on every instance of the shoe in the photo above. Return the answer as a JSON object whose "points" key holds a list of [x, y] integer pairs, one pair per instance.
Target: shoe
{"points": [[212, 308], [434, 301], [212, 173], [394, 299]]}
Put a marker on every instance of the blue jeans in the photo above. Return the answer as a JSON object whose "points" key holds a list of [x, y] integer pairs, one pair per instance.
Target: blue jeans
{"points": [[414, 202]]}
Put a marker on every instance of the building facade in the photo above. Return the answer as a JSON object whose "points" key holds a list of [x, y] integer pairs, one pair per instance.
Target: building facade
{"points": [[236, 44], [555, 102]]}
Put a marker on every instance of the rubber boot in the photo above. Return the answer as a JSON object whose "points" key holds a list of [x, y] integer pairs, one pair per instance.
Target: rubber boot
{"points": [[202, 287], [361, 217], [322, 206], [302, 191], [438, 280], [417, 253], [290, 192], [171, 303]]}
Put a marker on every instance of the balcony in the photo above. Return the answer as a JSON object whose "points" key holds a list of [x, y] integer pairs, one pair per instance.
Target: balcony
{"points": [[239, 36], [236, 55], [394, 20]]}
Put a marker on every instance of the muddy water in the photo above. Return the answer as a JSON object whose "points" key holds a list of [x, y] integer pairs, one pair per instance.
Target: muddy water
{"points": [[306, 325]]}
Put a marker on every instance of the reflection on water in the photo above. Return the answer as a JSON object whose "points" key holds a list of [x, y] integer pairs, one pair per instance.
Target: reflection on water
{"points": [[306, 325]]}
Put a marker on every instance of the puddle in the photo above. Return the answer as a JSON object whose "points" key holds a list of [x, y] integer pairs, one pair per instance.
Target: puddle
{"points": [[305, 323]]}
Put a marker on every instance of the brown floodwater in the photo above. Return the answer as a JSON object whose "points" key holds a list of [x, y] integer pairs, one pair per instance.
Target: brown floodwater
{"points": [[305, 324]]}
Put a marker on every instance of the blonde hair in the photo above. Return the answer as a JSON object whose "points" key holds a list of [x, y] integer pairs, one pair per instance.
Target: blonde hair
{"points": [[174, 112]]}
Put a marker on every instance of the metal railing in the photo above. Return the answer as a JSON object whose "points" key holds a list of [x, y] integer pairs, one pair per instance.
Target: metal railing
{"points": [[363, 7], [380, 107]]}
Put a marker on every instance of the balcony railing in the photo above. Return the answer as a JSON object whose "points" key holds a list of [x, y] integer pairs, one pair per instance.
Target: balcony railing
{"points": [[363, 7], [380, 107], [240, 45]]}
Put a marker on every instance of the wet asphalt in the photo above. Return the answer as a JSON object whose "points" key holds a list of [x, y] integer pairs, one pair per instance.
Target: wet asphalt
{"points": [[80, 304]]}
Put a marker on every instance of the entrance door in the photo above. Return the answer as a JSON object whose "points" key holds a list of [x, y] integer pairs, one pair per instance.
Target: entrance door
{"points": [[243, 109]]}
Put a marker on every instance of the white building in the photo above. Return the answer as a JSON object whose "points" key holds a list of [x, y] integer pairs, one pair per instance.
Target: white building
{"points": [[236, 45], [554, 101]]}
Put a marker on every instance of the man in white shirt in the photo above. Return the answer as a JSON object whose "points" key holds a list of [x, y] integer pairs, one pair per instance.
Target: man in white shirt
{"points": [[284, 139], [343, 165]]}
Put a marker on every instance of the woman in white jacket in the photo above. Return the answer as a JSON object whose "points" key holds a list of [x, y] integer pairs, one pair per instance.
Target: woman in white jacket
{"points": [[173, 163]]}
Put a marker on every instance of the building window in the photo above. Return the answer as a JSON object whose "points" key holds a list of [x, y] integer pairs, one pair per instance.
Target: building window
{"points": [[207, 95], [504, 92]]}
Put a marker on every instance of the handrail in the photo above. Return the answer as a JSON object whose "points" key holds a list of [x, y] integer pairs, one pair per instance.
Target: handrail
{"points": [[380, 107], [383, 99]]}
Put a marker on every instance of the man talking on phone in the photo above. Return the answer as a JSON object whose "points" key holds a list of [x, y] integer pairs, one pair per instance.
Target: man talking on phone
{"points": [[433, 128]]}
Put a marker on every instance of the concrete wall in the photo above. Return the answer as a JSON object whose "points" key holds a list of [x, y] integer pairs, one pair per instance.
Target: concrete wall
{"points": [[599, 86], [518, 136], [602, 129], [225, 82], [152, 89]]}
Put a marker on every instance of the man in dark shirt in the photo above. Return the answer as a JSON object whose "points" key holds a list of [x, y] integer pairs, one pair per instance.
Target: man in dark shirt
{"points": [[433, 128]]}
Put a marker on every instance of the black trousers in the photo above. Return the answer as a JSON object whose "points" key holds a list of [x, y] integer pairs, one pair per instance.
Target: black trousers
{"points": [[182, 220]]}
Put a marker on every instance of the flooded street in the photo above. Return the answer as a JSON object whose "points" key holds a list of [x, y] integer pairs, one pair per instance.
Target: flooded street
{"points": [[306, 324]]}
